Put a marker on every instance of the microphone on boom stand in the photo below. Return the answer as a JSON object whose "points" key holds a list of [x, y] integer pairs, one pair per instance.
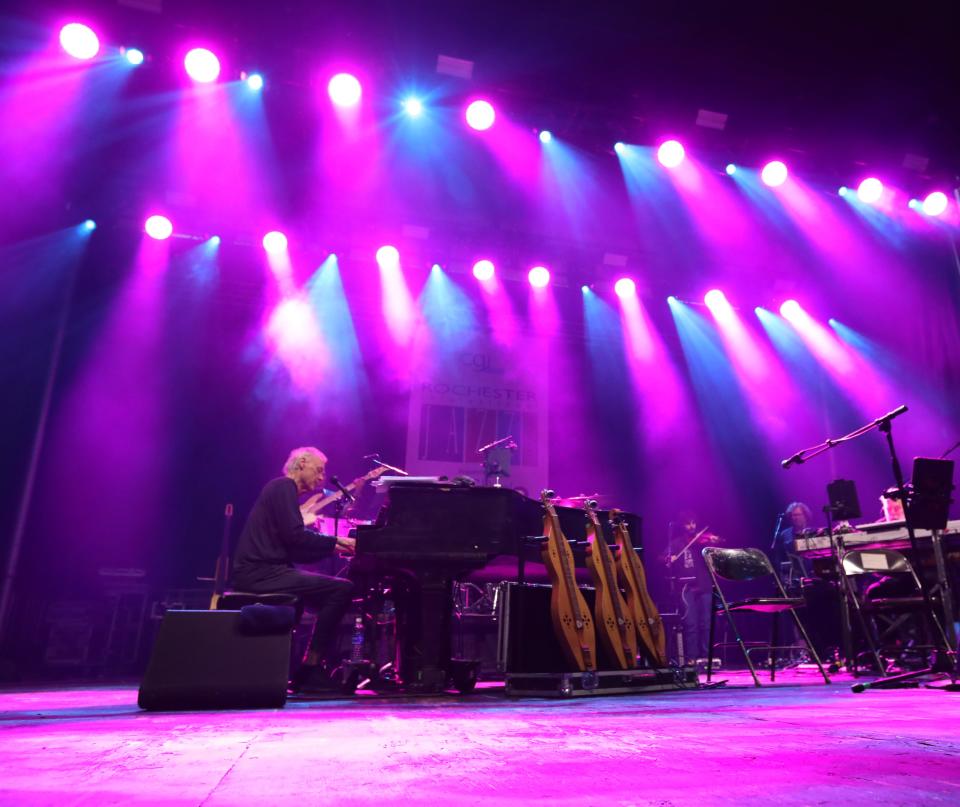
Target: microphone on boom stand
{"points": [[346, 493], [796, 459]]}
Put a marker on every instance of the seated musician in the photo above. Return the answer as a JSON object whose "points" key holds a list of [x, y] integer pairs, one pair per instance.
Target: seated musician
{"points": [[274, 538], [799, 518]]}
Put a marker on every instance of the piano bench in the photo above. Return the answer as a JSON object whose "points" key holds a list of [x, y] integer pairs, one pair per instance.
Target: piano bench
{"points": [[235, 600]]}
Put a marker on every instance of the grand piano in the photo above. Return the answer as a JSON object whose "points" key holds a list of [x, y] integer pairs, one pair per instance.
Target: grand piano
{"points": [[429, 534]]}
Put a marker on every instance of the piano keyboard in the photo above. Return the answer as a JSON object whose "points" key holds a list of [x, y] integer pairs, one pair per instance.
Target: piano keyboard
{"points": [[893, 538]]}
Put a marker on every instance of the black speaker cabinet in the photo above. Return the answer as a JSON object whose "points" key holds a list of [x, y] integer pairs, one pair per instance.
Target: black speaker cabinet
{"points": [[202, 660], [527, 642]]}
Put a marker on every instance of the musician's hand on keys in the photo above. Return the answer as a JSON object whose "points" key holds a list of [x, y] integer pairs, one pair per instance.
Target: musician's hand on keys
{"points": [[347, 546]]}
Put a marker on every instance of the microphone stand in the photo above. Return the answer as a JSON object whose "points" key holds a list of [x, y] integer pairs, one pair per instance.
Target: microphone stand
{"points": [[945, 660], [776, 532], [950, 450], [397, 471], [338, 509], [340, 506]]}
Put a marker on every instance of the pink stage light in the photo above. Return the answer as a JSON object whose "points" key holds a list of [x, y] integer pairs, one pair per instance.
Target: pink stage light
{"points": [[791, 310], [716, 301], [670, 154], [79, 41], [480, 115], [275, 242], [625, 287], [935, 204], [344, 90], [870, 190], [774, 174], [539, 277], [483, 269], [202, 65], [388, 256], [160, 228]]}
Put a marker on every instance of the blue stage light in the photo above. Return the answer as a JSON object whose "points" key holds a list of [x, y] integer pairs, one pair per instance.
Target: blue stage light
{"points": [[413, 106]]}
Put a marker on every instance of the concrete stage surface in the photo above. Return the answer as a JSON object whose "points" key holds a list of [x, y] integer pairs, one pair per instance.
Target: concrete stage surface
{"points": [[796, 742]]}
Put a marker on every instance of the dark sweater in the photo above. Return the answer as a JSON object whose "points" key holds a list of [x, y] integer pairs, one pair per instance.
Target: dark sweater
{"points": [[274, 534]]}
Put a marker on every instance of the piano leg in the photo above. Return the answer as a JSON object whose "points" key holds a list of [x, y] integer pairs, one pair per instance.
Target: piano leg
{"points": [[424, 615]]}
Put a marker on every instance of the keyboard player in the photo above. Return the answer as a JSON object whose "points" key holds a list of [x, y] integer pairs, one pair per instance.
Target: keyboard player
{"points": [[274, 538], [799, 518]]}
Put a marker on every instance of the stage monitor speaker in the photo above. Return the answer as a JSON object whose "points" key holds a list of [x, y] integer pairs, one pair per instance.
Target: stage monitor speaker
{"points": [[203, 660]]}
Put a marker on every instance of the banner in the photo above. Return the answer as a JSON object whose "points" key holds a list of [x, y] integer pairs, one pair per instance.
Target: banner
{"points": [[479, 393]]}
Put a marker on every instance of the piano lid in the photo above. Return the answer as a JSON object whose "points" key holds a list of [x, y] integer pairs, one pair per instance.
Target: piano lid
{"points": [[478, 515]]}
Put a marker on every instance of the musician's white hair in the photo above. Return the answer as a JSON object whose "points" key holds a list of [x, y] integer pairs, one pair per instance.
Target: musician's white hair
{"points": [[303, 451]]}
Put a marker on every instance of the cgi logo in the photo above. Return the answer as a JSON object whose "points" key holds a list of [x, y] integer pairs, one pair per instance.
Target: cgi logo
{"points": [[480, 363]]}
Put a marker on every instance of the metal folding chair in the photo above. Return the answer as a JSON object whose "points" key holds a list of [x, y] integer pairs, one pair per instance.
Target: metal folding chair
{"points": [[743, 565], [896, 610]]}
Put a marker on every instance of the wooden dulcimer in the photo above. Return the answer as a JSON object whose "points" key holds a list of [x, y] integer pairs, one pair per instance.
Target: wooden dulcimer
{"points": [[614, 619], [312, 506], [571, 616], [646, 617]]}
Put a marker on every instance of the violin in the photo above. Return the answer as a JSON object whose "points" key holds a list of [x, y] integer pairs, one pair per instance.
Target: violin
{"points": [[617, 630], [568, 609]]}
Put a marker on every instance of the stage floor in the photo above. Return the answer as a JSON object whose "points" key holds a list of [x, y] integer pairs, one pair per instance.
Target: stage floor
{"points": [[797, 742]]}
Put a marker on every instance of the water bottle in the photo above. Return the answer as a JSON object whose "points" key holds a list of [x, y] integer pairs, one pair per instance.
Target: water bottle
{"points": [[356, 641]]}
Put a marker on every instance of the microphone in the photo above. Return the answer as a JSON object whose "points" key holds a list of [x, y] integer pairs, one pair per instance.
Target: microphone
{"points": [[892, 414], [346, 493], [796, 459], [374, 456]]}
